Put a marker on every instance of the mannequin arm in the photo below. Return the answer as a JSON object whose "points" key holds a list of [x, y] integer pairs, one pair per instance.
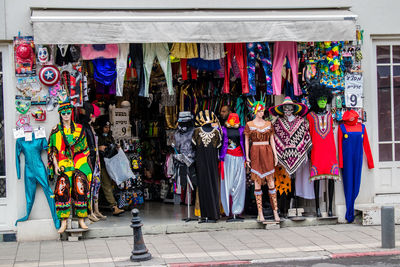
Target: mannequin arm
{"points": [[272, 142], [340, 139], [247, 148], [367, 150]]}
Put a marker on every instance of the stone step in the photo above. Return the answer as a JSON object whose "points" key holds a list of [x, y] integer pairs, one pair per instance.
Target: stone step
{"points": [[371, 213], [387, 199]]}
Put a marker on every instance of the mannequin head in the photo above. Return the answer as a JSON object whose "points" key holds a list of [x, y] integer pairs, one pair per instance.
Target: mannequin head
{"points": [[66, 115], [233, 121], [319, 97], [288, 110], [260, 114]]}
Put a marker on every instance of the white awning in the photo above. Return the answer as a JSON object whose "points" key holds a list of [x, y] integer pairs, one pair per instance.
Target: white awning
{"points": [[65, 26]]}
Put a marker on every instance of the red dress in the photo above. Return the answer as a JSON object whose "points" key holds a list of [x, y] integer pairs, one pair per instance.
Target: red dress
{"points": [[324, 163]]}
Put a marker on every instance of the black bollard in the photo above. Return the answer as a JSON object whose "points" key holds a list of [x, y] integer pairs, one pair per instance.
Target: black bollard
{"points": [[387, 227], [139, 252]]}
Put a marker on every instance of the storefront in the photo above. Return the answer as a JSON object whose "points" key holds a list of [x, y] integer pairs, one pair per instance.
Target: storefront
{"points": [[311, 22]]}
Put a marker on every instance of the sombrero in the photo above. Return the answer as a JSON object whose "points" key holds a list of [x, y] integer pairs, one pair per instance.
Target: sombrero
{"points": [[299, 109]]}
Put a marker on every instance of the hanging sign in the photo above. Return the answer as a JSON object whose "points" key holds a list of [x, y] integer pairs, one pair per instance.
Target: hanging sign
{"points": [[353, 90]]}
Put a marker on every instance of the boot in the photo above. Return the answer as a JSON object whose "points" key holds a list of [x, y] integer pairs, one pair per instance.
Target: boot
{"points": [[82, 223], [117, 211], [274, 204], [97, 212], [258, 196], [63, 226]]}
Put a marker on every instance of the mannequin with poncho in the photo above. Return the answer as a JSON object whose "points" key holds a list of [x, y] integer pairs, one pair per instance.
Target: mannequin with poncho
{"points": [[262, 157], [292, 142]]}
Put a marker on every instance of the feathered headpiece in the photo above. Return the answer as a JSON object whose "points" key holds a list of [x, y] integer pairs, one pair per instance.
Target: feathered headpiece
{"points": [[257, 105]]}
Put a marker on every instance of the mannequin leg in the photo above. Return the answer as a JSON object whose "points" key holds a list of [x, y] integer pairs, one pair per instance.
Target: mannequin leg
{"points": [[30, 192], [63, 226], [316, 193], [272, 196], [50, 199], [258, 196], [331, 190], [97, 212]]}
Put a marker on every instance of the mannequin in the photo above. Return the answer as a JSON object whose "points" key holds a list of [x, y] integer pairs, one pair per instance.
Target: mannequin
{"points": [[67, 159], [35, 173], [87, 117], [207, 139], [324, 163], [184, 158], [292, 137], [353, 139], [233, 172], [262, 158]]}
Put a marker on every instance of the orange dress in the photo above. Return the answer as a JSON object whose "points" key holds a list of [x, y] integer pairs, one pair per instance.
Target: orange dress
{"points": [[261, 155]]}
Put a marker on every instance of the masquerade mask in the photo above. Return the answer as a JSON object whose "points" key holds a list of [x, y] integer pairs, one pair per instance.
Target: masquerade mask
{"points": [[22, 105], [66, 112], [321, 102], [43, 54], [22, 121], [63, 49], [288, 109]]}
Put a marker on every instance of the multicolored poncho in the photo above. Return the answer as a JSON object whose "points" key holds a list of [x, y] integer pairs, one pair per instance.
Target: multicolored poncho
{"points": [[292, 142]]}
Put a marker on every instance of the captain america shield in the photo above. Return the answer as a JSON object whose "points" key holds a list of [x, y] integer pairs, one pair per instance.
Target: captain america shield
{"points": [[49, 75]]}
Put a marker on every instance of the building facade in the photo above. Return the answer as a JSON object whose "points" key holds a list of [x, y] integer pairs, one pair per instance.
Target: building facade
{"points": [[381, 74]]}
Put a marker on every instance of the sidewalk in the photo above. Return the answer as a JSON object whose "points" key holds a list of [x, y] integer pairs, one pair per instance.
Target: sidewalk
{"points": [[240, 246]]}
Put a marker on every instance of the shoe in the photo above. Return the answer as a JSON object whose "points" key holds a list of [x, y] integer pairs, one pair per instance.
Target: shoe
{"points": [[93, 217], [117, 211], [319, 213], [330, 213]]}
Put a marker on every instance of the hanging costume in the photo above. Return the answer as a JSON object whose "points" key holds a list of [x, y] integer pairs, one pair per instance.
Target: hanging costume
{"points": [[207, 140], [70, 149], [353, 139], [212, 51], [35, 173], [262, 52], [281, 50], [136, 54], [323, 153], [236, 51], [161, 51], [233, 171]]}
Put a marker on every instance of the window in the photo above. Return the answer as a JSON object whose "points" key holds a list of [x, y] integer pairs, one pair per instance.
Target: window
{"points": [[2, 137], [388, 86]]}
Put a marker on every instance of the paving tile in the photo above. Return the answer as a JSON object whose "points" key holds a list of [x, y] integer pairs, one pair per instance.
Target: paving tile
{"points": [[195, 254], [6, 263], [176, 260], [105, 264], [51, 262], [26, 264], [225, 258], [200, 259], [77, 261], [173, 256], [77, 265]]}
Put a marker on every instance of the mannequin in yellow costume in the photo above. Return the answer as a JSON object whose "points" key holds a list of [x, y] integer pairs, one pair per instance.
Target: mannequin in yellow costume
{"points": [[67, 157]]}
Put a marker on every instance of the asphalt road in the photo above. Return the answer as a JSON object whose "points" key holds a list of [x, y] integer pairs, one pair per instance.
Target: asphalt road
{"points": [[381, 261]]}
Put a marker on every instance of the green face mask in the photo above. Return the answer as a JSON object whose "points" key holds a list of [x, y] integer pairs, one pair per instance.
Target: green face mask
{"points": [[321, 102]]}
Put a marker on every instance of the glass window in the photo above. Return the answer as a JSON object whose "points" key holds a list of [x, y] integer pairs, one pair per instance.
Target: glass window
{"points": [[388, 86]]}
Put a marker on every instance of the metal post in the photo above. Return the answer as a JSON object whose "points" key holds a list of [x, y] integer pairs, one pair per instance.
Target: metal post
{"points": [[387, 227], [139, 252]]}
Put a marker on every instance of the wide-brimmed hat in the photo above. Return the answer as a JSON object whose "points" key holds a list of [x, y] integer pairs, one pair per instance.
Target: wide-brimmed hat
{"points": [[299, 108]]}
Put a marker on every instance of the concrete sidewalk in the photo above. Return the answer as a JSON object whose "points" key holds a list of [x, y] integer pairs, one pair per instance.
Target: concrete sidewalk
{"points": [[240, 246]]}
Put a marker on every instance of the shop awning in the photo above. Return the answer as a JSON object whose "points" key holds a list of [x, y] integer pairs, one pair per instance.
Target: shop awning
{"points": [[57, 26]]}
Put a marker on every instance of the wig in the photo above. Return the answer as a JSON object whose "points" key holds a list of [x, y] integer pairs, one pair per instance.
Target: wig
{"points": [[317, 91]]}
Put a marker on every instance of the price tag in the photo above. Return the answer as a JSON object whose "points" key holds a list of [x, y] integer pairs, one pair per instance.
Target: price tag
{"points": [[18, 133], [40, 133], [28, 136], [354, 100]]}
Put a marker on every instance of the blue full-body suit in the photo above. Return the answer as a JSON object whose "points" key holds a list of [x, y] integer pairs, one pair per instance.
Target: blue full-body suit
{"points": [[35, 173], [352, 166]]}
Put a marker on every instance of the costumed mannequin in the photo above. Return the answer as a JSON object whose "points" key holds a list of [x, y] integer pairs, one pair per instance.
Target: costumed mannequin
{"points": [[35, 173], [262, 158], [233, 171], [87, 117], [353, 139], [67, 159], [324, 163], [207, 139], [184, 158], [292, 137]]}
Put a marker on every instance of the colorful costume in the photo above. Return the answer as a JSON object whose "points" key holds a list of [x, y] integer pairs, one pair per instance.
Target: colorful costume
{"points": [[70, 149], [35, 173], [324, 163], [233, 171], [352, 139], [264, 54]]}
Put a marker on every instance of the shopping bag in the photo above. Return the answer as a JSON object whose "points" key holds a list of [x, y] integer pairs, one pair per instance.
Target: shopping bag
{"points": [[118, 167]]}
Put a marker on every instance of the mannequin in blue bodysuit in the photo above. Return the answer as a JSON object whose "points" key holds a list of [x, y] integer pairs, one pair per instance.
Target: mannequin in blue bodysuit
{"points": [[35, 173]]}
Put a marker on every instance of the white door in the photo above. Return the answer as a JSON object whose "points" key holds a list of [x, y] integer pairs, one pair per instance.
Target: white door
{"points": [[387, 126]]}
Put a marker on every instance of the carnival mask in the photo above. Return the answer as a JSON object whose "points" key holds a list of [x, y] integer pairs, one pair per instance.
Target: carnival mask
{"points": [[321, 102], [43, 54], [22, 105], [288, 110]]}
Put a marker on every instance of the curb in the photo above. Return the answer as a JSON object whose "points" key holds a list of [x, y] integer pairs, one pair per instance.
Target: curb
{"points": [[363, 254], [209, 263]]}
